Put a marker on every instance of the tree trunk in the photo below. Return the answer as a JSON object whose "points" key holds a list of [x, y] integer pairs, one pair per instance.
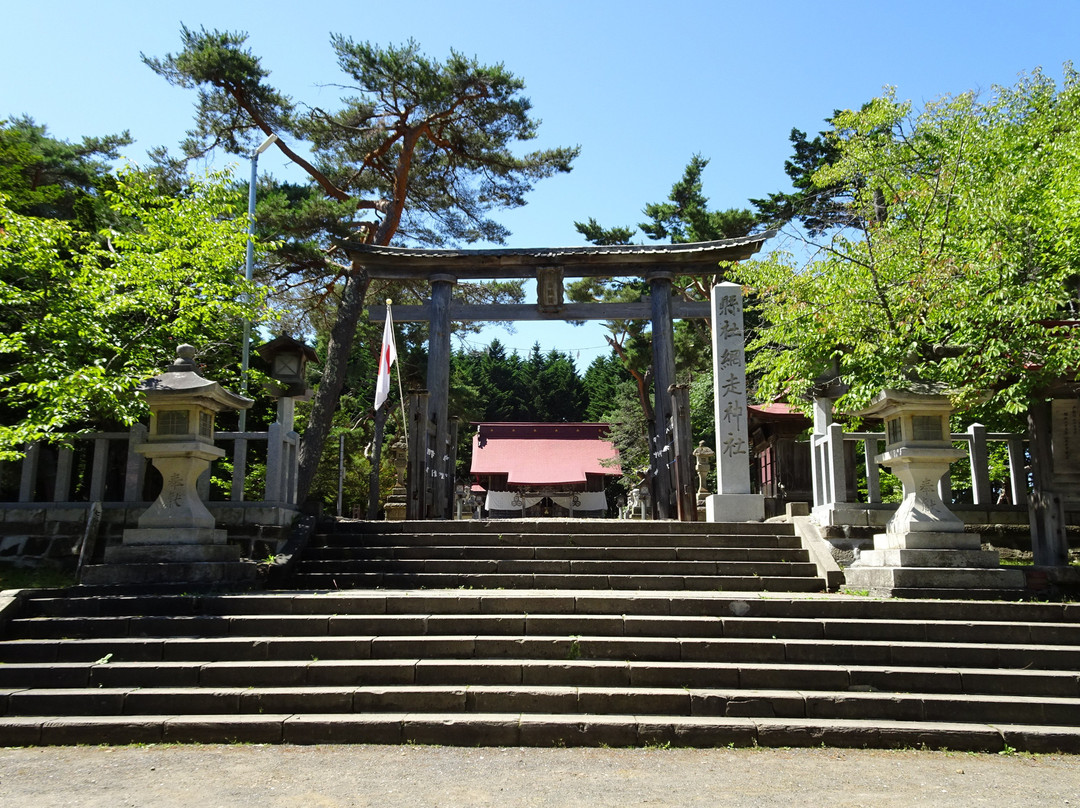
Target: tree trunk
{"points": [[329, 390]]}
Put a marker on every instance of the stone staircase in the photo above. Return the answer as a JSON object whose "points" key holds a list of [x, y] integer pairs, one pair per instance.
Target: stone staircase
{"points": [[627, 656], [519, 667], [559, 554]]}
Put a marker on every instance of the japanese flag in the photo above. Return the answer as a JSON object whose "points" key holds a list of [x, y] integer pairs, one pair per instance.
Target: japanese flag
{"points": [[387, 356]]}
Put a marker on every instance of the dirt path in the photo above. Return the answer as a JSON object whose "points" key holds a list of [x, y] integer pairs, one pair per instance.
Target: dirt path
{"points": [[331, 776]]}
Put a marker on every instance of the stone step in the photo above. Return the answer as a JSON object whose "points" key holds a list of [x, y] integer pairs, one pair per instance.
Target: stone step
{"points": [[45, 633], [557, 526], [764, 540], [974, 593], [557, 553], [889, 579], [236, 574], [297, 652], [894, 679], [713, 583], [528, 729], [545, 699], [660, 603], [560, 567]]}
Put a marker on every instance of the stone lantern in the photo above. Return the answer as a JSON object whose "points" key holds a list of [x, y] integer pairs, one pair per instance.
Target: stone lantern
{"points": [[919, 450], [924, 547], [176, 541], [180, 444], [288, 360]]}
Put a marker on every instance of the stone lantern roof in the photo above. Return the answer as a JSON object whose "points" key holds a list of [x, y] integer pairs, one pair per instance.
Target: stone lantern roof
{"points": [[925, 397], [182, 381]]}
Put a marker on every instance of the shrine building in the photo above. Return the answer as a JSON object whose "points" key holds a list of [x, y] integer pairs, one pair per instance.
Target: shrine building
{"points": [[543, 469]]}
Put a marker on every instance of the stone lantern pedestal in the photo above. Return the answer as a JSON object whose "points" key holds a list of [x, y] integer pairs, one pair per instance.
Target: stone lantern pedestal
{"points": [[924, 549], [396, 503], [703, 457], [176, 540]]}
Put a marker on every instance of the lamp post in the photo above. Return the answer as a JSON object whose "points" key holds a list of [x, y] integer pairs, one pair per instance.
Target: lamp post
{"points": [[245, 354], [240, 445]]}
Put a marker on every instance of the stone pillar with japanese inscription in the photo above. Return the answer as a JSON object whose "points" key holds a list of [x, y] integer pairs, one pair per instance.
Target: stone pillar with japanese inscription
{"points": [[1065, 438], [733, 501]]}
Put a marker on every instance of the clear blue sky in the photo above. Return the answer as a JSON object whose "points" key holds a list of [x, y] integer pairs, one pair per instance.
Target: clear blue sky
{"points": [[640, 86]]}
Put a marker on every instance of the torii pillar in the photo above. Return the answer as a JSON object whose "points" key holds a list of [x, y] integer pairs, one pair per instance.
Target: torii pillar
{"points": [[438, 385], [663, 345]]}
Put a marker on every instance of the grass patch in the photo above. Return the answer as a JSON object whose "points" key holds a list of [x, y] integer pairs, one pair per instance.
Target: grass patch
{"points": [[15, 577]]}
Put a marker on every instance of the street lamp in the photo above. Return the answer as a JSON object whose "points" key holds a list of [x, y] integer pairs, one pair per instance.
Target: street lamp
{"points": [[245, 355]]}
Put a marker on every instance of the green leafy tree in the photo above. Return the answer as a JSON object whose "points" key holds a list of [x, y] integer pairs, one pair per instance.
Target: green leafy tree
{"points": [[553, 386], [629, 432], [92, 314], [540, 387], [960, 262], [419, 150]]}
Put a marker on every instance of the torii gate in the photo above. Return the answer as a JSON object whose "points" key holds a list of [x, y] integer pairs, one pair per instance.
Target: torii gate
{"points": [[430, 462]]}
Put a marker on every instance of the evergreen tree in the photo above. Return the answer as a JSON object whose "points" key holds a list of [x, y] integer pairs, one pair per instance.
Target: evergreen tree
{"points": [[817, 208], [419, 150], [603, 381], [53, 179]]}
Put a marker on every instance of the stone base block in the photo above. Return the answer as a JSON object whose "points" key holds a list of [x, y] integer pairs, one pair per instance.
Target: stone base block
{"points": [[793, 509], [929, 558], [734, 508], [883, 581], [170, 553], [927, 541], [175, 535], [236, 514], [853, 514], [395, 510]]}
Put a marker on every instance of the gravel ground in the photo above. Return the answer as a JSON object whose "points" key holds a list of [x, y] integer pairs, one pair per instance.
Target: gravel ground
{"points": [[329, 776]]}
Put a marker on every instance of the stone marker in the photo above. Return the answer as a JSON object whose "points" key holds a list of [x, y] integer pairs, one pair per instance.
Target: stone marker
{"points": [[733, 501]]}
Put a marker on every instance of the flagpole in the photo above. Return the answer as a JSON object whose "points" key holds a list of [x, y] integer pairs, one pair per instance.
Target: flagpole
{"points": [[387, 357], [401, 391]]}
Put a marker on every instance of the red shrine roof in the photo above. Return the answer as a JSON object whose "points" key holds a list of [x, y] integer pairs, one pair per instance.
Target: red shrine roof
{"points": [[543, 454], [776, 410]]}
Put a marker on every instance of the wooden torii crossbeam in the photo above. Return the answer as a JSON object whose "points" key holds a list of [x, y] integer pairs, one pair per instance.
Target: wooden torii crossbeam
{"points": [[656, 263]]}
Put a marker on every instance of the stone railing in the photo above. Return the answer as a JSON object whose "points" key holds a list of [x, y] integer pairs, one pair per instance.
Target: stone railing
{"points": [[103, 467], [57, 501]]}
